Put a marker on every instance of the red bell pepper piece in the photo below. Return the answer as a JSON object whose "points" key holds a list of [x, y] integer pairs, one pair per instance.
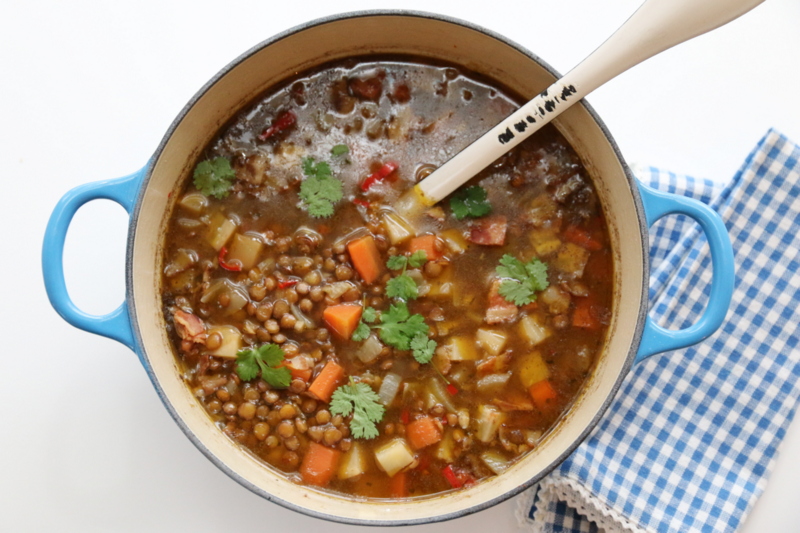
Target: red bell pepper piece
{"points": [[380, 174], [233, 267], [284, 120], [287, 283]]}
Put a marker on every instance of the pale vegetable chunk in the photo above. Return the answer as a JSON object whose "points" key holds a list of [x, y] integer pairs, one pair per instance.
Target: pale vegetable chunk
{"points": [[394, 456], [231, 341], [195, 202], [460, 348], [496, 461], [531, 328], [397, 228], [492, 341], [489, 420], [246, 249], [571, 259], [354, 462], [220, 230], [533, 369]]}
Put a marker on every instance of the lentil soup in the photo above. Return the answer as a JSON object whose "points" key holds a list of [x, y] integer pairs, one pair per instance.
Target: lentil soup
{"points": [[356, 347]]}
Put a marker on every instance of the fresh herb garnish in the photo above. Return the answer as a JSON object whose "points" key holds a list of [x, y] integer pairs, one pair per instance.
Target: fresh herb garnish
{"points": [[422, 348], [398, 326], [360, 400], [320, 190], [339, 149], [266, 357], [523, 280], [470, 202], [403, 286], [362, 331], [415, 260], [214, 177]]}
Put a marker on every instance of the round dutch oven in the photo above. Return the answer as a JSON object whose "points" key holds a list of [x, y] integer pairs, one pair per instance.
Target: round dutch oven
{"points": [[630, 207]]}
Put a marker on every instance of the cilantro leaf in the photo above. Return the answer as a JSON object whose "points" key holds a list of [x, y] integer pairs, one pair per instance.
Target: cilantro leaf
{"points": [[398, 326], [320, 190], [422, 348], [418, 258], [369, 315], [522, 281], [397, 262], [403, 287], [266, 358], [361, 332], [470, 202], [214, 177], [364, 404], [340, 149]]}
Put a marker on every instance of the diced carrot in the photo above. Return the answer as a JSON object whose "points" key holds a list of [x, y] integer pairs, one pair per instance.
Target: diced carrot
{"points": [[582, 238], [319, 464], [543, 394], [366, 258], [342, 319], [423, 432], [583, 316], [427, 243], [398, 485], [325, 383]]}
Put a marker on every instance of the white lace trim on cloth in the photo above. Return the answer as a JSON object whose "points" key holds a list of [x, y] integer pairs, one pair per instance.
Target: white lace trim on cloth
{"points": [[576, 496]]}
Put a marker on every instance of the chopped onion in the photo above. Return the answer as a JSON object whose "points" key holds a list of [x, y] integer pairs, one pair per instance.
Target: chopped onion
{"points": [[370, 349], [337, 289], [389, 387]]}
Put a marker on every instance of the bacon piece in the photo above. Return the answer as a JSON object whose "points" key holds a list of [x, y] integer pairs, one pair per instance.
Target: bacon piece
{"points": [[494, 364], [500, 309], [489, 231], [189, 327]]}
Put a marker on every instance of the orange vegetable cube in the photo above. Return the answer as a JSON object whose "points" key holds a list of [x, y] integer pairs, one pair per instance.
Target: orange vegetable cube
{"points": [[342, 319], [423, 432], [319, 464], [427, 243], [326, 382], [366, 258]]}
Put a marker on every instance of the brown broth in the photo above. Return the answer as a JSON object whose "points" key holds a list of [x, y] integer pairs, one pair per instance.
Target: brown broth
{"points": [[416, 115]]}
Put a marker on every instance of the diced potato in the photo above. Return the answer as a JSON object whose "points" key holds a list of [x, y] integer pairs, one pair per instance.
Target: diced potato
{"points": [[532, 330], [398, 229], [544, 211], [445, 451], [354, 462], [571, 259], [533, 369], [491, 340], [220, 230], [489, 420], [194, 202], [394, 456], [246, 249], [455, 241], [544, 241], [460, 348], [442, 285], [231, 341]]}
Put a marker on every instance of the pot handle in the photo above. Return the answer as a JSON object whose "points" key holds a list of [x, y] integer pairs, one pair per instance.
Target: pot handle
{"points": [[116, 324], [656, 339]]}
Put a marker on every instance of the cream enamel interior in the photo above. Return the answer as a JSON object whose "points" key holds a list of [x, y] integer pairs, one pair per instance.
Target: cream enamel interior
{"points": [[352, 36]]}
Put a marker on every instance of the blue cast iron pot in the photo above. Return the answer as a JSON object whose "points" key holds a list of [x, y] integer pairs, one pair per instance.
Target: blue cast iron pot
{"points": [[631, 208]]}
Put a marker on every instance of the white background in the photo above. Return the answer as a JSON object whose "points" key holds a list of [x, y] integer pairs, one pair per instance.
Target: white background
{"points": [[87, 90]]}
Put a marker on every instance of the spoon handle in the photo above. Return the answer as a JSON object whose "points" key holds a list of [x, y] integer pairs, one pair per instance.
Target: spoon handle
{"points": [[656, 26]]}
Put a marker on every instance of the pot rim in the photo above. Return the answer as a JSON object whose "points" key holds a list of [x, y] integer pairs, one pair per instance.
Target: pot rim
{"points": [[198, 442]]}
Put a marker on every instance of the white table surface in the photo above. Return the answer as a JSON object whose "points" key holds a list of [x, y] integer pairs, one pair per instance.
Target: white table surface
{"points": [[87, 90]]}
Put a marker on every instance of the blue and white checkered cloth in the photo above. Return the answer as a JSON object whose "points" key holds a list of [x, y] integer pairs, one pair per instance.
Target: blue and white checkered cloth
{"points": [[691, 438]]}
